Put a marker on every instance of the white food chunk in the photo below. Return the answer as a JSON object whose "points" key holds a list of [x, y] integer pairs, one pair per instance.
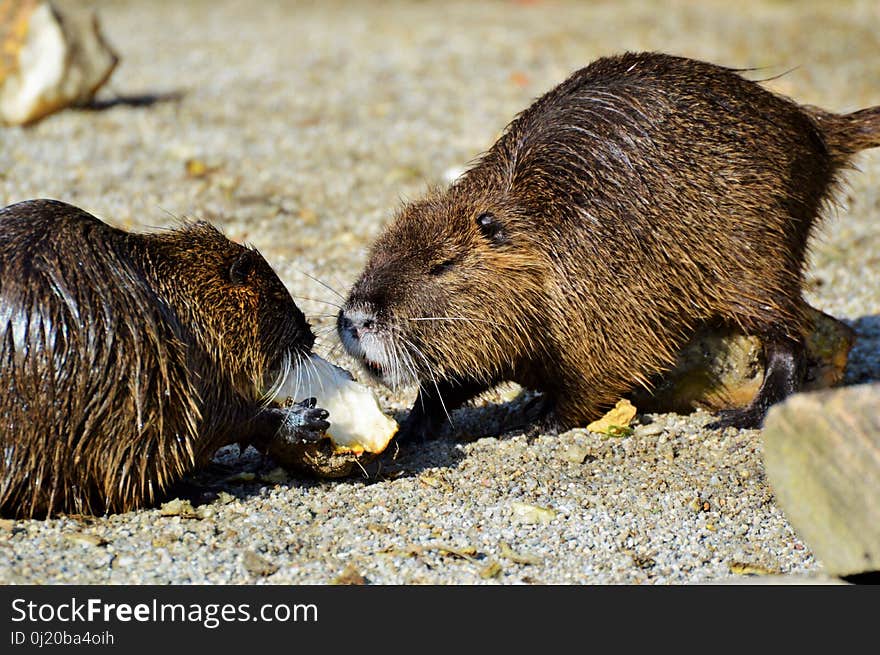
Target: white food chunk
{"points": [[357, 424]]}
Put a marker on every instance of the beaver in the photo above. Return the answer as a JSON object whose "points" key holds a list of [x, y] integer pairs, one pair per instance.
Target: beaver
{"points": [[644, 197], [127, 359]]}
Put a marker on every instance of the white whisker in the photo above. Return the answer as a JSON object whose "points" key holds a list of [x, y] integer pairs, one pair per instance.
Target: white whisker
{"points": [[397, 368], [325, 302], [430, 371], [329, 354], [323, 284], [314, 369], [408, 361], [455, 318], [298, 383], [325, 330], [269, 394]]}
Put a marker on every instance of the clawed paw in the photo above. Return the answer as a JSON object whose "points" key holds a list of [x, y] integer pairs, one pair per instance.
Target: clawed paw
{"points": [[304, 422]]}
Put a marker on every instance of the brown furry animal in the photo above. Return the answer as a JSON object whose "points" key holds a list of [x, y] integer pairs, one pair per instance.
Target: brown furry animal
{"points": [[643, 197], [127, 359]]}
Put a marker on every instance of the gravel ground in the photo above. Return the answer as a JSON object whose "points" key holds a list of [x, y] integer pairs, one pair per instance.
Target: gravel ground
{"points": [[315, 120]]}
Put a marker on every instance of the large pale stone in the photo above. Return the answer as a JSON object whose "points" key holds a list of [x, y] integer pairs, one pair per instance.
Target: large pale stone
{"points": [[822, 456], [48, 60]]}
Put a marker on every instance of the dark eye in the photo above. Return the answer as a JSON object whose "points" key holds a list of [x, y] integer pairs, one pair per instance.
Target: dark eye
{"points": [[491, 228], [442, 267]]}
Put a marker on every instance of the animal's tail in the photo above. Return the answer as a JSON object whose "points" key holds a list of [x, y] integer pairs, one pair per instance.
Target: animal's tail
{"points": [[846, 134]]}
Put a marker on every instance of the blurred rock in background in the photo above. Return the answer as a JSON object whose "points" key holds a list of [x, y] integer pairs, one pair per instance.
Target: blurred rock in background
{"points": [[822, 455], [49, 60]]}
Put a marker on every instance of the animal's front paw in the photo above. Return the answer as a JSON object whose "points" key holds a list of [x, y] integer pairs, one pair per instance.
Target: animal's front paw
{"points": [[304, 422]]}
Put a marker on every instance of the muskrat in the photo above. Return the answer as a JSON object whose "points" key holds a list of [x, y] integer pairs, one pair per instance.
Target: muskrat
{"points": [[645, 196], [128, 359]]}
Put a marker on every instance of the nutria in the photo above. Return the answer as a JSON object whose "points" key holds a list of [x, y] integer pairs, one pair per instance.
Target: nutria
{"points": [[128, 359], [643, 197]]}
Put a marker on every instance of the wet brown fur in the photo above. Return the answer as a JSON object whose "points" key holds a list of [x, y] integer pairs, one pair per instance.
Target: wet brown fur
{"points": [[127, 359], [641, 198]]}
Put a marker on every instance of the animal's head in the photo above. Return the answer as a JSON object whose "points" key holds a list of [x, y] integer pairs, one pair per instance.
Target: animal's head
{"points": [[452, 288], [238, 307]]}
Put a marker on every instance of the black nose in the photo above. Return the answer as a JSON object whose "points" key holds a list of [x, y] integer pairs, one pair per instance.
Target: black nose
{"points": [[354, 322]]}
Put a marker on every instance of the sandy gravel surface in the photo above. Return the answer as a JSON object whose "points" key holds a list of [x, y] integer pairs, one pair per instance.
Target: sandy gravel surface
{"points": [[314, 121]]}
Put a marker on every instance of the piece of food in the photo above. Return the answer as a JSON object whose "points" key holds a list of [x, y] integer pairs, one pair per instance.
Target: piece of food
{"points": [[358, 431], [616, 421], [357, 424]]}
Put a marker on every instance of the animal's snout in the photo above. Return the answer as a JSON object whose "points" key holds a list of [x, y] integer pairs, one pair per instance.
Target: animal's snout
{"points": [[355, 322]]}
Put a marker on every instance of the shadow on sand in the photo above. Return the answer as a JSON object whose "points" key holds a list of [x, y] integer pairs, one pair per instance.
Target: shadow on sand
{"points": [[133, 100]]}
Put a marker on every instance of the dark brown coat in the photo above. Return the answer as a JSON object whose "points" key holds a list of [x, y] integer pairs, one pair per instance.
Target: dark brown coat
{"points": [[127, 359]]}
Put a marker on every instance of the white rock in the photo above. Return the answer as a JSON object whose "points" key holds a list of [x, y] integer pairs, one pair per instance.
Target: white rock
{"points": [[49, 61]]}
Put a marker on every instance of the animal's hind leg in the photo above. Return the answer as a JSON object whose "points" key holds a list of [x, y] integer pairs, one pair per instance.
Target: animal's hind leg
{"points": [[785, 362], [764, 298]]}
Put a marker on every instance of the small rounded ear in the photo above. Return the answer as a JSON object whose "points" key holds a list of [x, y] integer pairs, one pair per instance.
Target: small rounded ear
{"points": [[491, 228], [243, 266]]}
